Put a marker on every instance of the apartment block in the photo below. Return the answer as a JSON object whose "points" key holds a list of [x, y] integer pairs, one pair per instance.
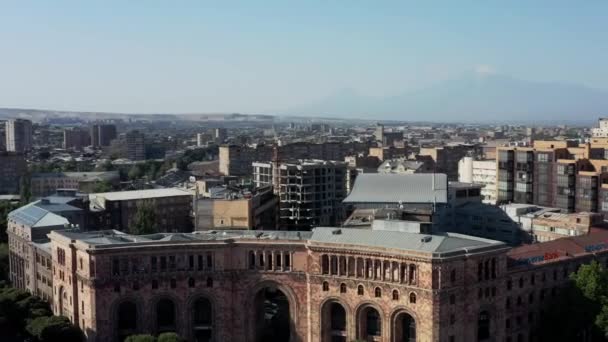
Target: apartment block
{"points": [[48, 183], [116, 210], [228, 208], [136, 145], [12, 168], [481, 172], [102, 134], [76, 138], [19, 135]]}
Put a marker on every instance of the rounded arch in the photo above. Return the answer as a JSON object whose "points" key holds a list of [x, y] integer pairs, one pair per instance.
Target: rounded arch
{"points": [[201, 322], [369, 322], [413, 297], [165, 313], [253, 296], [360, 289], [335, 320], [404, 325], [128, 316]]}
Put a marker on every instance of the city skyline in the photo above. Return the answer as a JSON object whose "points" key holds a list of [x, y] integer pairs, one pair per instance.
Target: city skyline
{"points": [[275, 58]]}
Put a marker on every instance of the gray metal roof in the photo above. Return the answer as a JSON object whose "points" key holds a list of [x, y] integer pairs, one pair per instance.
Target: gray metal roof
{"points": [[436, 244], [34, 216], [111, 238], [396, 188]]}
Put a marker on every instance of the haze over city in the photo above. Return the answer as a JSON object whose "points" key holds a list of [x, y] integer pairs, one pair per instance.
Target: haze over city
{"points": [[313, 171], [395, 60]]}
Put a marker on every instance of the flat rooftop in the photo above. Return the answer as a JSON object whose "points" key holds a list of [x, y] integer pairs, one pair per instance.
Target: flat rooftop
{"points": [[140, 194], [399, 188]]}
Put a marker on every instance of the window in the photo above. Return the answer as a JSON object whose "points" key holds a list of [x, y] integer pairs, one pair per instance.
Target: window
{"points": [[251, 260], [360, 290], [154, 284], [377, 292], [413, 298], [325, 286], [508, 303], [191, 282], [173, 283], [153, 262], [325, 264], [116, 287], [395, 295], [191, 262], [135, 286], [209, 282], [452, 299], [209, 260], [342, 288], [521, 282], [453, 276], [452, 319]]}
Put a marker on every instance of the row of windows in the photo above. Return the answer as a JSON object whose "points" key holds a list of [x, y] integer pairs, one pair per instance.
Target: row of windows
{"points": [[369, 269], [270, 260], [154, 284], [377, 291], [120, 266]]}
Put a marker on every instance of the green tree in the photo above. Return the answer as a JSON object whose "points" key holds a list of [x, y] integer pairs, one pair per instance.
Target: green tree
{"points": [[102, 187], [169, 337], [580, 311], [4, 263], [16, 308], [25, 189], [140, 338], [145, 220], [136, 172], [54, 328], [5, 209]]}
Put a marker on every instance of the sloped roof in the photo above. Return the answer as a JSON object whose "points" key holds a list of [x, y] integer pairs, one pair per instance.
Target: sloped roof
{"points": [[436, 244], [395, 188], [34, 216]]}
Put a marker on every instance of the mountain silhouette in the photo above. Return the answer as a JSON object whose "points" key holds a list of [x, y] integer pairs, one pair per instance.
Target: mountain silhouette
{"points": [[473, 97]]}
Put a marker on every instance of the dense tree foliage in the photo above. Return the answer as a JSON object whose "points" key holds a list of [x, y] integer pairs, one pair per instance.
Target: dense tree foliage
{"points": [[579, 312], [54, 328], [145, 220], [5, 208], [16, 308], [164, 337], [140, 338]]}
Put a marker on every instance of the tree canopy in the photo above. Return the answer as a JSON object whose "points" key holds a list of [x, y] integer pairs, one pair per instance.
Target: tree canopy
{"points": [[54, 328], [145, 220], [580, 310]]}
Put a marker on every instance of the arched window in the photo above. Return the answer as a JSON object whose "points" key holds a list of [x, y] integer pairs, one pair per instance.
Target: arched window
{"points": [[453, 276], [202, 314], [127, 316], [521, 282], [483, 326], [324, 264], [377, 292], [395, 295], [154, 284], [209, 282], [373, 323], [165, 315], [360, 290], [338, 317], [202, 320], [191, 282], [325, 286], [342, 288], [413, 298]]}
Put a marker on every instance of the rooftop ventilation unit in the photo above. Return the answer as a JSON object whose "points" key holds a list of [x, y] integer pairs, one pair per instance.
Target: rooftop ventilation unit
{"points": [[336, 231], [426, 239]]}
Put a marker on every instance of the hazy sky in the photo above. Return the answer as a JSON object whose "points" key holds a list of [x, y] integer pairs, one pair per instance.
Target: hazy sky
{"points": [[259, 56]]}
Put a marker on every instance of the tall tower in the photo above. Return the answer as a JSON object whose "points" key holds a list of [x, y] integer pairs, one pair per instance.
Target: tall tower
{"points": [[18, 135]]}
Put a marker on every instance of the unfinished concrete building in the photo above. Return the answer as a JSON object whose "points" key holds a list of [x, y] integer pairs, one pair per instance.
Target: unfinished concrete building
{"points": [[310, 191]]}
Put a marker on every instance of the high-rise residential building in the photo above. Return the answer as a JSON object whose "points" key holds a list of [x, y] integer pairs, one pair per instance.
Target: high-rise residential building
{"points": [[203, 138], [601, 131], [76, 138], [19, 135], [102, 134], [481, 172], [136, 145], [220, 135], [12, 167], [561, 174], [310, 191]]}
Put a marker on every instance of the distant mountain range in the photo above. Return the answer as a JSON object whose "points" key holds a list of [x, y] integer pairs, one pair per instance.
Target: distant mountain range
{"points": [[474, 97]]}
